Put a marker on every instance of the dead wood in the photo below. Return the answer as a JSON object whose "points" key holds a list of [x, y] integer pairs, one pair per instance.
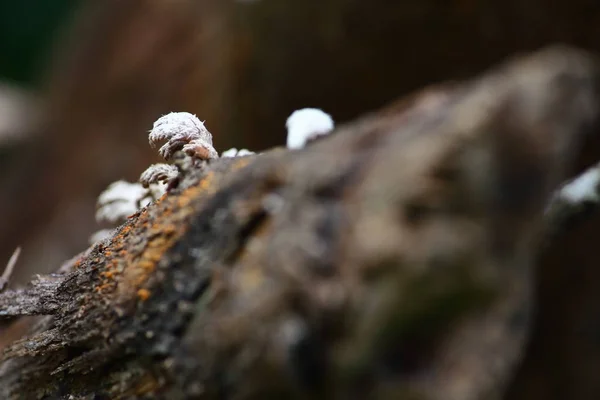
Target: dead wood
{"points": [[390, 260]]}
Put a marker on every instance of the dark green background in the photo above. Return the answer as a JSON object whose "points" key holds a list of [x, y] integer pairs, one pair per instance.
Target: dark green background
{"points": [[28, 29]]}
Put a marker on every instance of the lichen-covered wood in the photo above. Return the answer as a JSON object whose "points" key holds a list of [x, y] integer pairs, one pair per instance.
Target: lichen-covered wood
{"points": [[390, 260]]}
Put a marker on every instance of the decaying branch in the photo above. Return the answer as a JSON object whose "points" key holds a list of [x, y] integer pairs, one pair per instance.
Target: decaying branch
{"points": [[389, 260]]}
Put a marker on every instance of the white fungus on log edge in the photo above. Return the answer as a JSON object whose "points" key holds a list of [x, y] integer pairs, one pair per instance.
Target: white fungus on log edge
{"points": [[305, 125], [120, 200], [158, 173], [583, 188], [233, 152], [182, 131]]}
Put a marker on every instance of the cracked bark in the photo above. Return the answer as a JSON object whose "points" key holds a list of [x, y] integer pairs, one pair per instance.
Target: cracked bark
{"points": [[393, 259]]}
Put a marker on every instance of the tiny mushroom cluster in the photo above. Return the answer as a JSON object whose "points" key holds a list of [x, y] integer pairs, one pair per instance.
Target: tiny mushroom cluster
{"points": [[188, 144]]}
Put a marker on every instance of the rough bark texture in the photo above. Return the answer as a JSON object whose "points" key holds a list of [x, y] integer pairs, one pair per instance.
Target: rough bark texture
{"points": [[393, 259]]}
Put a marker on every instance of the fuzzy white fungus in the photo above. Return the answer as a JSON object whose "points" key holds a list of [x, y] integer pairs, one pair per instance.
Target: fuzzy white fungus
{"points": [[305, 125], [583, 188]]}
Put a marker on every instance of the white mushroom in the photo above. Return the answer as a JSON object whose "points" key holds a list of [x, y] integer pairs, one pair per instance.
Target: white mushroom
{"points": [[158, 173], [182, 131], [120, 200], [305, 125]]}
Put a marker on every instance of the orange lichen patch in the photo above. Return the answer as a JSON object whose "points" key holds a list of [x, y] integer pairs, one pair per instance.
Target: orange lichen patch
{"points": [[108, 274], [205, 183], [128, 262], [158, 229], [169, 229], [146, 265], [209, 184], [239, 164], [143, 294], [103, 288]]}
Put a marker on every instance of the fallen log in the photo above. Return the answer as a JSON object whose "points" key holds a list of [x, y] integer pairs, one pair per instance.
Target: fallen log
{"points": [[391, 259]]}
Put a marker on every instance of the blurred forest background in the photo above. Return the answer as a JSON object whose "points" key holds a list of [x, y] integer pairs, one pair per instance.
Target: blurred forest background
{"points": [[82, 81]]}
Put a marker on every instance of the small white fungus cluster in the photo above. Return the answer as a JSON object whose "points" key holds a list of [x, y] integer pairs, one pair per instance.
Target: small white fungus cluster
{"points": [[162, 173], [233, 152], [120, 200], [583, 188], [305, 125], [188, 144], [182, 131]]}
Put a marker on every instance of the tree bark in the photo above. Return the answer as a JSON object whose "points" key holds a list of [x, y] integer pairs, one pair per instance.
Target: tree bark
{"points": [[392, 259]]}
